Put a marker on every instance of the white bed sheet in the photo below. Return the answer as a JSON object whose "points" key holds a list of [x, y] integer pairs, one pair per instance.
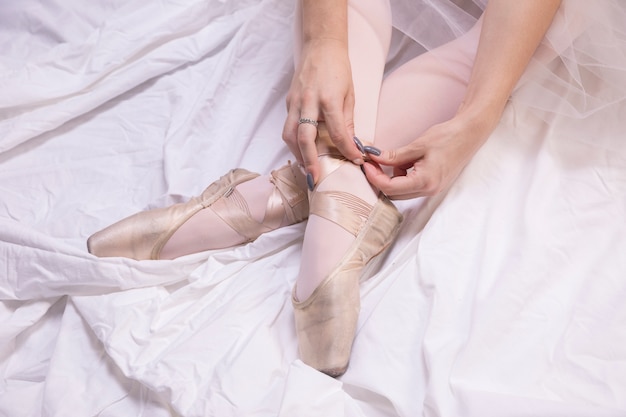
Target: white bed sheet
{"points": [[503, 297]]}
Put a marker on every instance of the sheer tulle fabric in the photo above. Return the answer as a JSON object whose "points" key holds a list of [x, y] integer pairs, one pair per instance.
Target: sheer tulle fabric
{"points": [[434, 22], [577, 74]]}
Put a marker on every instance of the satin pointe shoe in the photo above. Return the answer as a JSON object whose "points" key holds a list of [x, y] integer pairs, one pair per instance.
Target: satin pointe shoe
{"points": [[326, 321], [143, 235]]}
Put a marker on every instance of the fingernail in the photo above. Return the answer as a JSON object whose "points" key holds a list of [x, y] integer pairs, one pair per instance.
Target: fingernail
{"points": [[372, 150], [358, 161], [358, 144], [309, 181]]}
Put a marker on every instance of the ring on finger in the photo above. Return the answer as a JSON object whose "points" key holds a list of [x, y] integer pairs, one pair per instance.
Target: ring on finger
{"points": [[306, 120]]}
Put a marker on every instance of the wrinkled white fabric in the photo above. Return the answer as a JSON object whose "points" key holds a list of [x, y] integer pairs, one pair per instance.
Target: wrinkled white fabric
{"points": [[502, 297]]}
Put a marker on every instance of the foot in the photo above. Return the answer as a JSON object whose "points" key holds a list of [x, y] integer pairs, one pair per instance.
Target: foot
{"points": [[233, 210]]}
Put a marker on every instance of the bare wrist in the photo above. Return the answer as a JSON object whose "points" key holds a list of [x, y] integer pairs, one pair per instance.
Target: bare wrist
{"points": [[476, 125], [481, 118], [325, 20], [325, 44]]}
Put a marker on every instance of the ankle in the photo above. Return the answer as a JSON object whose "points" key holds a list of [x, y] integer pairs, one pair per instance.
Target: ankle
{"points": [[256, 193], [344, 176]]}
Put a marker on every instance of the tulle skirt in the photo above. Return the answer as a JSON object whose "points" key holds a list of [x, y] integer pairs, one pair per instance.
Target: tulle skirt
{"points": [[576, 81]]}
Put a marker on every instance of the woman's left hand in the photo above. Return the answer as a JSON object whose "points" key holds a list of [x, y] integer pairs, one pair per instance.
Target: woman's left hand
{"points": [[430, 163], [510, 34]]}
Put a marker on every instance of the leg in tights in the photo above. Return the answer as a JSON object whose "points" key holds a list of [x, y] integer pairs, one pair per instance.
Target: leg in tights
{"points": [[425, 91], [370, 23], [325, 243], [205, 230]]}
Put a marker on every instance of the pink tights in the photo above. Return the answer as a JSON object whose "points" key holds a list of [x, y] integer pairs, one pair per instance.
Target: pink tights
{"points": [[390, 111]]}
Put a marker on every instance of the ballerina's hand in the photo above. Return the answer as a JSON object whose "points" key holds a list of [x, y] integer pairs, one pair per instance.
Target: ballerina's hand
{"points": [[322, 90], [429, 164]]}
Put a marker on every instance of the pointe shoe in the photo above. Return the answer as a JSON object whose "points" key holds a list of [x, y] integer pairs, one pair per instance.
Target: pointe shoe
{"points": [[326, 321], [143, 235]]}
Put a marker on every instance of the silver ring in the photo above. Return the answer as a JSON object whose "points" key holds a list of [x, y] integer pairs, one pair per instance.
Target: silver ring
{"points": [[308, 121]]}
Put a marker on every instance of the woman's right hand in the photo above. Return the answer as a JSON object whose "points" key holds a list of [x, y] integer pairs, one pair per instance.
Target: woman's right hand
{"points": [[322, 90]]}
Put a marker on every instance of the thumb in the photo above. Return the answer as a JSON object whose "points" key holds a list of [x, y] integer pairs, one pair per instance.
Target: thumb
{"points": [[348, 114], [402, 156]]}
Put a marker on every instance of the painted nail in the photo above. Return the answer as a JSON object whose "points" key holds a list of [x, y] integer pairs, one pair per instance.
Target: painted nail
{"points": [[372, 150], [358, 144], [309, 181]]}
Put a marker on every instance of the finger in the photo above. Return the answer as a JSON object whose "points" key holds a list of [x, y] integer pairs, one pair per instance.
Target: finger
{"points": [[348, 114], [397, 188], [336, 125], [403, 156], [401, 170], [307, 134], [290, 133]]}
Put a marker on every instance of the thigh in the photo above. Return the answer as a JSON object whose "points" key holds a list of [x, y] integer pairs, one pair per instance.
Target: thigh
{"points": [[425, 91], [369, 36]]}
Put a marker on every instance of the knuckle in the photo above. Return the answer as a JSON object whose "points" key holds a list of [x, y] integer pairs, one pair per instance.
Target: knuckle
{"points": [[288, 135], [308, 95], [292, 100], [325, 99], [350, 124], [336, 139]]}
